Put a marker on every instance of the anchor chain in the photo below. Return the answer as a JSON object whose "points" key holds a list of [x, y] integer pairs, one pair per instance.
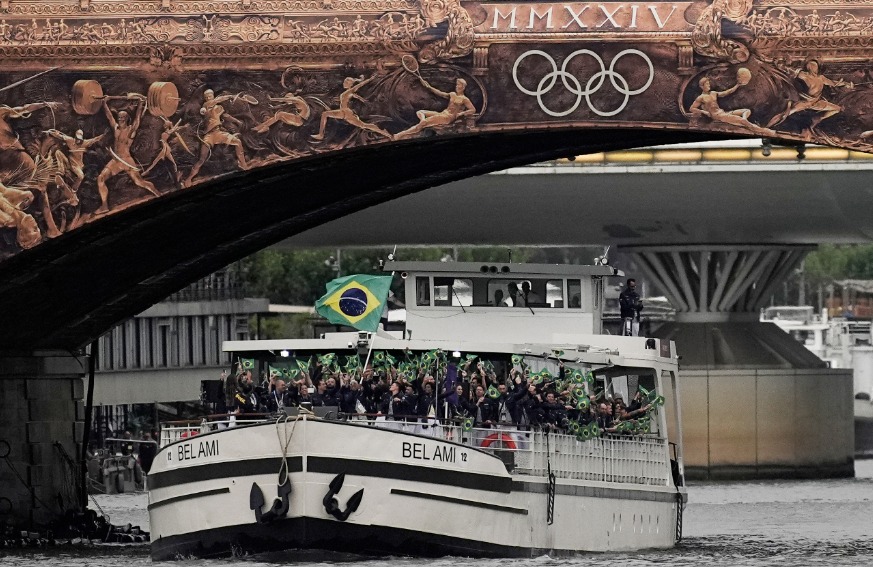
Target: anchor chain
{"points": [[281, 504]]}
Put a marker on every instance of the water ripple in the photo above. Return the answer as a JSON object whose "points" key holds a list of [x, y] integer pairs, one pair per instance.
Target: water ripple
{"points": [[735, 524]]}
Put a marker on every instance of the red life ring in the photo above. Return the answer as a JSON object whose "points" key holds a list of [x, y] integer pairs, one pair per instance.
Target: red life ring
{"points": [[507, 440]]}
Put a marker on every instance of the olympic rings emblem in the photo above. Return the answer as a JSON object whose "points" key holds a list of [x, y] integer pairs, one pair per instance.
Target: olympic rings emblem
{"points": [[572, 83]]}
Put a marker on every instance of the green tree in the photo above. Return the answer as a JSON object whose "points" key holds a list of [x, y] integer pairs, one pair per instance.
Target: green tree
{"points": [[833, 262]]}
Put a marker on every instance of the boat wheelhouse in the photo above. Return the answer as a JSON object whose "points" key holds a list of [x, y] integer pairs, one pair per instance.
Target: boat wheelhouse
{"points": [[318, 478]]}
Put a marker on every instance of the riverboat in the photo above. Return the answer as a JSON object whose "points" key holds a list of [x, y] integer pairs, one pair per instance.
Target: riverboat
{"points": [[320, 480], [840, 342]]}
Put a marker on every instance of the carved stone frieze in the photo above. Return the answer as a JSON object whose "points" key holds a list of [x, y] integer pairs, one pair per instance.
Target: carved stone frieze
{"points": [[196, 7], [121, 102], [708, 38], [792, 22]]}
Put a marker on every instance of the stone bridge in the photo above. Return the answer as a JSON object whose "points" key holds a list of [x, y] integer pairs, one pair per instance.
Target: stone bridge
{"points": [[144, 143]]}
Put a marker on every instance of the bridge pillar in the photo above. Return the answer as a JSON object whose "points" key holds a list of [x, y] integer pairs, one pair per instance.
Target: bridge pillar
{"points": [[41, 426], [755, 402]]}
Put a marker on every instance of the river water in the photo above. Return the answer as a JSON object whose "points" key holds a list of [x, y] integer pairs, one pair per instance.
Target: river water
{"points": [[784, 523]]}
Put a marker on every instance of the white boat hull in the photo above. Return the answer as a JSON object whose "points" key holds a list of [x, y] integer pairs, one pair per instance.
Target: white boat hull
{"points": [[422, 496]]}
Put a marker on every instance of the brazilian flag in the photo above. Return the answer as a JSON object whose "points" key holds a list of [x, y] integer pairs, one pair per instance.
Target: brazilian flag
{"points": [[577, 376], [327, 359], [302, 365], [541, 376], [355, 300], [353, 363], [247, 363], [644, 425], [517, 359], [493, 392], [468, 424]]}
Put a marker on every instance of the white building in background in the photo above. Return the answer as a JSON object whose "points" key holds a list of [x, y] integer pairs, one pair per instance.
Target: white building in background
{"points": [[163, 355]]}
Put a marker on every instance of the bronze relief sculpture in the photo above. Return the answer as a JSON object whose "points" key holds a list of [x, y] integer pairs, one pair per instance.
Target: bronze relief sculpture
{"points": [[106, 104]]}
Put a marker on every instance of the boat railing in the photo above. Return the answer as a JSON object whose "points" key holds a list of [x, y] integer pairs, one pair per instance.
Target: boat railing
{"points": [[637, 459], [172, 431], [632, 459]]}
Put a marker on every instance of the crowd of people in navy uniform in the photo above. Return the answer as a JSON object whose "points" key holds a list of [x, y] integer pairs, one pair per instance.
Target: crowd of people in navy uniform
{"points": [[477, 392]]}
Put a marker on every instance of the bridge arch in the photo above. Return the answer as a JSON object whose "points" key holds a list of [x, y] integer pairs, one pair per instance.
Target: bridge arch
{"points": [[106, 271]]}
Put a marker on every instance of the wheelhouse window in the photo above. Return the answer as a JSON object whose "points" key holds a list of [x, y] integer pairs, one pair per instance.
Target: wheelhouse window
{"points": [[574, 294], [536, 293], [555, 293], [506, 291], [453, 291], [422, 291]]}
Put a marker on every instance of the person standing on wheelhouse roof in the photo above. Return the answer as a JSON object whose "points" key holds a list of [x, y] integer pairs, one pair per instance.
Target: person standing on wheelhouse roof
{"points": [[630, 303]]}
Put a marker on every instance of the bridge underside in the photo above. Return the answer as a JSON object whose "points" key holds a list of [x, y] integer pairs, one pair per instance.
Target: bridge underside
{"points": [[761, 202], [68, 291]]}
